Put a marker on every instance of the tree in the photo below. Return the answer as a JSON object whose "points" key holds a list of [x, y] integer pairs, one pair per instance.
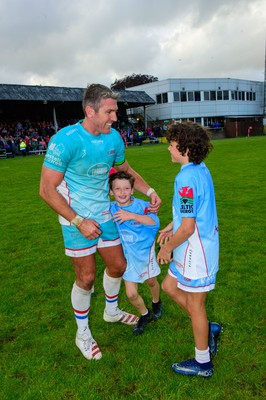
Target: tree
{"points": [[132, 80]]}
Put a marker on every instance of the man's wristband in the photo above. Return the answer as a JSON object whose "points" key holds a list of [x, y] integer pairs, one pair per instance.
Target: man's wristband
{"points": [[77, 221], [150, 191]]}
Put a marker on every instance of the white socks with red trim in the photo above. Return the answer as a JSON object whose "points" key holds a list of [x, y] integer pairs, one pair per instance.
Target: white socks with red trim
{"points": [[80, 300], [111, 288]]}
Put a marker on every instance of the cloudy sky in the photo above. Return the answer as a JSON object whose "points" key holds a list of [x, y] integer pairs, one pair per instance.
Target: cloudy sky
{"points": [[76, 42]]}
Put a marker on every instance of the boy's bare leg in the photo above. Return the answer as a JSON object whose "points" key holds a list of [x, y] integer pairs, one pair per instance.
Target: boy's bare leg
{"points": [[169, 286], [200, 324], [154, 288], [135, 299]]}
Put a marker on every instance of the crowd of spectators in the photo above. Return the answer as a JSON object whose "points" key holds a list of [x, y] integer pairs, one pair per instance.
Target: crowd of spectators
{"points": [[32, 137], [27, 137]]}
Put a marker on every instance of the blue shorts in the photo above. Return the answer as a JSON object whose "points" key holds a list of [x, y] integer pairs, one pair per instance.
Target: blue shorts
{"points": [[76, 245]]}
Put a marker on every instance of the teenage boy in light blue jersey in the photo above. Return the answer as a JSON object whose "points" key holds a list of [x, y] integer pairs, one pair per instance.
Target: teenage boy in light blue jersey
{"points": [[137, 228], [193, 238], [74, 183]]}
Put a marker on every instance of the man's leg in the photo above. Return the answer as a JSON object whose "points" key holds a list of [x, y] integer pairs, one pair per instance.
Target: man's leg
{"points": [[115, 262], [85, 268]]}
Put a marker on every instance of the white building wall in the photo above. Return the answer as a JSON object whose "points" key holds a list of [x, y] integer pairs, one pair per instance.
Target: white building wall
{"points": [[204, 108]]}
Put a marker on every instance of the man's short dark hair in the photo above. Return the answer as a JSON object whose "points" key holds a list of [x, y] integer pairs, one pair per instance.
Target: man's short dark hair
{"points": [[94, 94]]}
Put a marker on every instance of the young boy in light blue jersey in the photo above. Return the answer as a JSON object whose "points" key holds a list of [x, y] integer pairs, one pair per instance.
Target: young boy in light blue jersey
{"points": [[137, 228], [193, 238]]}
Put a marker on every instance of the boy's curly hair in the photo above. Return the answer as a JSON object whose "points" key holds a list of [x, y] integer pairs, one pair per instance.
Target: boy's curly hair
{"points": [[192, 137]]}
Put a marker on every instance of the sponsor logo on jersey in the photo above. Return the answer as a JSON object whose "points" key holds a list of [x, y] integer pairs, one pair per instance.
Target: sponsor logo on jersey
{"points": [[186, 199], [98, 169], [129, 237]]}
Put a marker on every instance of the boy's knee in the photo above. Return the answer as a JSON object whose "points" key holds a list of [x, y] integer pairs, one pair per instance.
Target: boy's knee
{"points": [[132, 295], [152, 282]]}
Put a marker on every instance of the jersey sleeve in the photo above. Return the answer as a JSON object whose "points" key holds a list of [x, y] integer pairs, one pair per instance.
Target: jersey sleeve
{"points": [[59, 153], [144, 207], [120, 149], [186, 196]]}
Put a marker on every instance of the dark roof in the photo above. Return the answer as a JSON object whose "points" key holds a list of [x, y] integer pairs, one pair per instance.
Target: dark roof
{"points": [[59, 94], [134, 96]]}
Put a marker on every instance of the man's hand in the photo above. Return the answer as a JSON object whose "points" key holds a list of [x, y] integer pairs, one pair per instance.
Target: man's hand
{"points": [[90, 229], [155, 203]]}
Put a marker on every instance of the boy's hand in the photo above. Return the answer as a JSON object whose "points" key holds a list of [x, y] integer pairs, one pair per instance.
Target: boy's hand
{"points": [[165, 234], [122, 215], [164, 256]]}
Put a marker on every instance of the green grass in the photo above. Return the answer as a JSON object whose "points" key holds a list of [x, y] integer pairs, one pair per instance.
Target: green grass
{"points": [[39, 359]]}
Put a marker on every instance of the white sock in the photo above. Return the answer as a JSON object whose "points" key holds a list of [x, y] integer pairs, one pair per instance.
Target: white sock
{"points": [[111, 288], [202, 356], [80, 300]]}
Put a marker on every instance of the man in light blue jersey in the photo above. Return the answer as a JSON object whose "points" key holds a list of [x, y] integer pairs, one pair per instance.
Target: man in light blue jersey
{"points": [[193, 238], [74, 183]]}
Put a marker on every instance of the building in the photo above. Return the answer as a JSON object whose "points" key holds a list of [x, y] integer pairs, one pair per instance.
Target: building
{"points": [[233, 107]]}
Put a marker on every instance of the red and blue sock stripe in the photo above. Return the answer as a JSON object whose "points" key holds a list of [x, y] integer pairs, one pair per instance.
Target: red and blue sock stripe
{"points": [[81, 314]]}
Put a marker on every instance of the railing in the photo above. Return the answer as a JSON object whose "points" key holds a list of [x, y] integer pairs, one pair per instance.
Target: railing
{"points": [[3, 153], [37, 152]]}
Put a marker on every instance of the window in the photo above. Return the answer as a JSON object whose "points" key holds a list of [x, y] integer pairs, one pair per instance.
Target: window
{"points": [[183, 96], [206, 95], [219, 95], [225, 94], [158, 99], [165, 97], [162, 98], [197, 96], [190, 96], [213, 95], [176, 96]]}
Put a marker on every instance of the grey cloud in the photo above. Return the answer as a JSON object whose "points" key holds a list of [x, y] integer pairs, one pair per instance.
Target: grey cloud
{"points": [[71, 43]]}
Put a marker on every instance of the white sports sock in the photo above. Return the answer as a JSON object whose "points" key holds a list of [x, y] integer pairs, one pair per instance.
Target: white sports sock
{"points": [[111, 288], [80, 300], [202, 356]]}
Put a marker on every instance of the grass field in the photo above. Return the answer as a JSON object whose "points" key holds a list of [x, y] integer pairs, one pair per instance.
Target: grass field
{"points": [[39, 359]]}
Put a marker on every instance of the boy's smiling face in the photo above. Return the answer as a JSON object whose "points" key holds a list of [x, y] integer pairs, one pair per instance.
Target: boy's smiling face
{"points": [[176, 156], [122, 191]]}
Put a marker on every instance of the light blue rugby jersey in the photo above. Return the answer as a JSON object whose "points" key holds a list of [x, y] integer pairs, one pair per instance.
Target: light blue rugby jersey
{"points": [[194, 196], [138, 242], [85, 160]]}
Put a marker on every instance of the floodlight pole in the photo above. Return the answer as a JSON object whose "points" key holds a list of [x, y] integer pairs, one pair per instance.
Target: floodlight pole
{"points": [[264, 105]]}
